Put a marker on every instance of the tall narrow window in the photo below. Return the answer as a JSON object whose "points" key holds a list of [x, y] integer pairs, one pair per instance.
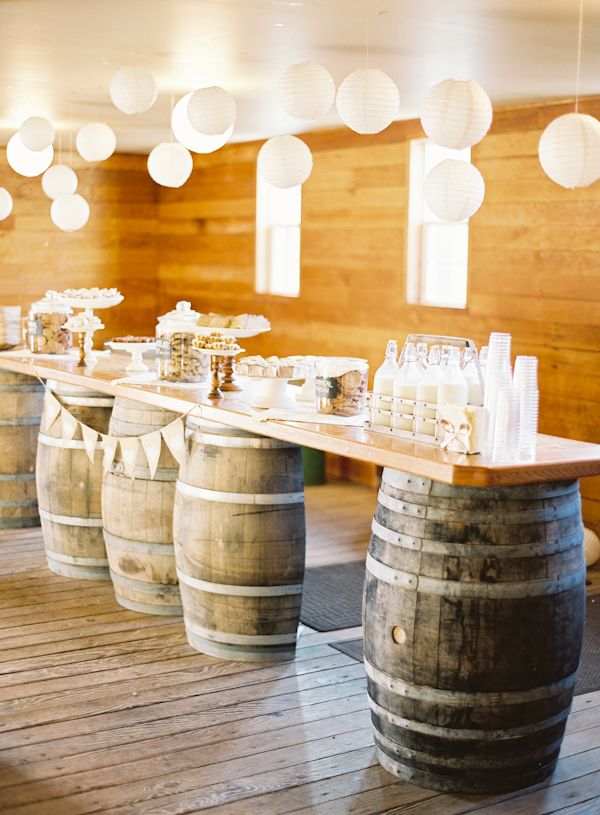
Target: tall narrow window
{"points": [[278, 215], [437, 251]]}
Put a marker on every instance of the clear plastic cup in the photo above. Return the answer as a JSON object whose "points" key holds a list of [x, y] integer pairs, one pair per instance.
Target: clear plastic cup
{"points": [[506, 427]]}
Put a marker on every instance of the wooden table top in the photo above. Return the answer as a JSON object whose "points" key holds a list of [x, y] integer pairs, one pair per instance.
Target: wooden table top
{"points": [[555, 459]]}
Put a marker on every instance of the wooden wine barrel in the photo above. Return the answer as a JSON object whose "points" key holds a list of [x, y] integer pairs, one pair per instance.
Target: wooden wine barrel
{"points": [[69, 487], [21, 401], [240, 536], [473, 612], [138, 517]]}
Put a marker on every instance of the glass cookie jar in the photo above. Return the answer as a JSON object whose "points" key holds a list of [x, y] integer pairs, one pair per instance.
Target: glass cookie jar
{"points": [[341, 385], [176, 358], [46, 332]]}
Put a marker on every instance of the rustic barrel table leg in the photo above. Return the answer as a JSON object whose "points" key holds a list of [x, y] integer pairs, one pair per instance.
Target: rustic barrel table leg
{"points": [[69, 487], [473, 621], [239, 533], [21, 400], [138, 516]]}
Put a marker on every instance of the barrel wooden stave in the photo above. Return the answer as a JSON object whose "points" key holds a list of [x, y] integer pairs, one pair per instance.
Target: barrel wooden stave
{"points": [[138, 517], [249, 557], [21, 402], [470, 689], [69, 488]]}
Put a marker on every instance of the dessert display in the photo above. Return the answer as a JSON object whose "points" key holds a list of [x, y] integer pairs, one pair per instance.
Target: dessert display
{"points": [[341, 385], [136, 346], [216, 342], [220, 350], [88, 298], [85, 324], [280, 367], [89, 294], [47, 330], [130, 338], [177, 358], [241, 322]]}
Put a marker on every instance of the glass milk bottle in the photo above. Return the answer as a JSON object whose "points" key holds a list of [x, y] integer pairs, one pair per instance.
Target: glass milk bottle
{"points": [[422, 356], [427, 391], [383, 384], [472, 376], [405, 387], [454, 390]]}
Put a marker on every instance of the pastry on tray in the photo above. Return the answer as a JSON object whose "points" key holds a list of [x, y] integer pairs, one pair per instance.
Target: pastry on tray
{"points": [[132, 338]]}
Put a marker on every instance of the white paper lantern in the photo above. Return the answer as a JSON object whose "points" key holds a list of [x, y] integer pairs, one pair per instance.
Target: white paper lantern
{"points": [[70, 212], [189, 136], [591, 547], [133, 90], [36, 133], [170, 164], [285, 161], [569, 150], [454, 190], [306, 90], [95, 141], [456, 113], [6, 203], [27, 162], [211, 111], [367, 101], [59, 180]]}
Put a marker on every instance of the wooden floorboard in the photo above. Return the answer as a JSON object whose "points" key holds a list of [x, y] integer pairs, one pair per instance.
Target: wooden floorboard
{"points": [[104, 710]]}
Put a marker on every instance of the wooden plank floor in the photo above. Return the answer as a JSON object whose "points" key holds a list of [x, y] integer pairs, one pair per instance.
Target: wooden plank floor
{"points": [[107, 711]]}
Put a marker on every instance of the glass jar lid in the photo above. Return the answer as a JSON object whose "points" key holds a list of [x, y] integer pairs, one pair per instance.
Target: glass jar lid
{"points": [[181, 318], [338, 366], [51, 303]]}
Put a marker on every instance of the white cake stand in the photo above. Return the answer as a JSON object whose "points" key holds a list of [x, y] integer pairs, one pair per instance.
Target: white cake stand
{"points": [[269, 391], [136, 349], [87, 308]]}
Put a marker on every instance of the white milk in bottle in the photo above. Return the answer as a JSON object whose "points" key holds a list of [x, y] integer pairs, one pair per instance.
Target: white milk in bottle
{"points": [[405, 386], [427, 391], [383, 384], [454, 390], [471, 374]]}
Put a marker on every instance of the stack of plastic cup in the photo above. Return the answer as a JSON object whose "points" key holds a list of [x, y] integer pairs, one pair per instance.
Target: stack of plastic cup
{"points": [[498, 378], [505, 445], [483, 360], [525, 381]]}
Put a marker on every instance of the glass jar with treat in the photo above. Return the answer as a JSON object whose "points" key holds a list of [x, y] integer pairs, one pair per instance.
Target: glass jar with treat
{"points": [[176, 358], [46, 331], [341, 385]]}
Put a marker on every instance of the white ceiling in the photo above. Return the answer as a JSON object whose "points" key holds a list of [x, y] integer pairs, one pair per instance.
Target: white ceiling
{"points": [[57, 56]]}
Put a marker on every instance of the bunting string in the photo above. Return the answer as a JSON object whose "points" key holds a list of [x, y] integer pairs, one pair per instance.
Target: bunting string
{"points": [[148, 444]]}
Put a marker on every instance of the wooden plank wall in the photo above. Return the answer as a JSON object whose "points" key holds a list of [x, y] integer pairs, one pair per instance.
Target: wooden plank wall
{"points": [[117, 247], [534, 258]]}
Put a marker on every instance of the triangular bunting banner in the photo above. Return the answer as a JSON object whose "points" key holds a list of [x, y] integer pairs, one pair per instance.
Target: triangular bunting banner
{"points": [[68, 424], [51, 409], [152, 444], [90, 437], [129, 451], [110, 448], [174, 435]]}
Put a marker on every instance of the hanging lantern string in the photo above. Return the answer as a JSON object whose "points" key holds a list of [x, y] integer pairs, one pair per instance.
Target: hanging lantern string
{"points": [[579, 41]]}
